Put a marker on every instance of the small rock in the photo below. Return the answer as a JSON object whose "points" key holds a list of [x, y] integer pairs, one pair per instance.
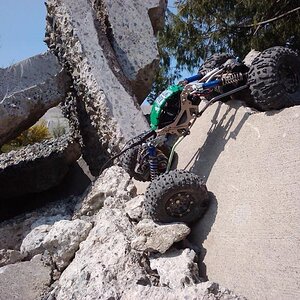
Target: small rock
{"points": [[61, 240], [155, 237], [185, 272], [112, 189], [134, 208], [33, 242]]}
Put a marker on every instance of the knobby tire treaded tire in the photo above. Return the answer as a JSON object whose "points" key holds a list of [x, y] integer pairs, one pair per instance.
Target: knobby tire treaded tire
{"points": [[128, 161], [214, 61], [267, 87], [168, 185]]}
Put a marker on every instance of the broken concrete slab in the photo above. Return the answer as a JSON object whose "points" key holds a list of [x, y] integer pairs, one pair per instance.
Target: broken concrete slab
{"points": [[61, 240], [155, 237], [133, 41], [27, 90], [36, 167], [103, 108], [176, 268]]}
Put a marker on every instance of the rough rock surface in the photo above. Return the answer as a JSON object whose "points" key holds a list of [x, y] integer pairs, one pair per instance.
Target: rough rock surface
{"points": [[61, 240], [154, 237], [135, 208], [37, 167], [250, 235], [176, 268], [132, 39], [102, 107], [115, 191], [27, 90], [25, 280], [13, 231], [105, 266]]}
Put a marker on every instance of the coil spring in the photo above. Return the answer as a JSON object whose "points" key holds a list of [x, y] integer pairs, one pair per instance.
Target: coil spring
{"points": [[232, 78], [153, 163]]}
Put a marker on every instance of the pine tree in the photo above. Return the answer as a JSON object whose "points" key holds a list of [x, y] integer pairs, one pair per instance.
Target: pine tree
{"points": [[203, 27]]}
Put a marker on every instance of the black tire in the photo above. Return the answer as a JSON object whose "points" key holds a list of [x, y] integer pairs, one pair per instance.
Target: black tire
{"points": [[274, 79], [178, 185], [128, 162], [215, 61]]}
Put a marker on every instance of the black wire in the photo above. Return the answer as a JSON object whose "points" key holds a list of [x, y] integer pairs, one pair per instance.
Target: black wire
{"points": [[145, 135]]}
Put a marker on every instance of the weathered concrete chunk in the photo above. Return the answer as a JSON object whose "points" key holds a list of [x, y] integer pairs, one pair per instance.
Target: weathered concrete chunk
{"points": [[131, 25], [134, 208], [104, 266], [27, 90], [104, 108], [61, 240], [112, 189], [24, 280], [176, 268], [13, 231], [154, 237], [37, 167]]}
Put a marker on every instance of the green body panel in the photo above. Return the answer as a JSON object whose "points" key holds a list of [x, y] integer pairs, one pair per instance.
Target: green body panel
{"points": [[160, 103]]}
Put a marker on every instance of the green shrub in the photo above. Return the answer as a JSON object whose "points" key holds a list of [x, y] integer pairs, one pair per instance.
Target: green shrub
{"points": [[37, 133]]}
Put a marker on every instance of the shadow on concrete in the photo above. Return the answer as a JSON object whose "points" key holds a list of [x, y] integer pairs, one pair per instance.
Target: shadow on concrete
{"points": [[202, 162], [218, 135], [74, 184], [200, 231]]}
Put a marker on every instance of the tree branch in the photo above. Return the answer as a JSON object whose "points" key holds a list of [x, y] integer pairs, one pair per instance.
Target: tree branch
{"points": [[268, 21]]}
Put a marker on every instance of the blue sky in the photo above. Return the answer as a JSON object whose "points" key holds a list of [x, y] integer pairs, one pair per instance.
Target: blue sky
{"points": [[22, 28]]}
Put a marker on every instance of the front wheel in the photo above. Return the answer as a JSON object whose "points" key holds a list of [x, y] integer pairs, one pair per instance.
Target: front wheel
{"points": [[176, 196]]}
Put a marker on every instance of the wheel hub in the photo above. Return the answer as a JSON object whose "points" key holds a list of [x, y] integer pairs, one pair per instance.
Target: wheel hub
{"points": [[289, 78], [179, 204]]}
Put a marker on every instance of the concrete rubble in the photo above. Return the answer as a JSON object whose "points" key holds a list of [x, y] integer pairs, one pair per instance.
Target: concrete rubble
{"points": [[153, 237], [91, 256], [61, 240], [186, 272], [113, 192], [27, 90]]}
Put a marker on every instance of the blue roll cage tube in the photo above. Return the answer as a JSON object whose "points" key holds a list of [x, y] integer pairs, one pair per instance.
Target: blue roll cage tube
{"points": [[209, 84]]}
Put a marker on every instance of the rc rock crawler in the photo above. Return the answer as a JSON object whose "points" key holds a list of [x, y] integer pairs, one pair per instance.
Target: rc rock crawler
{"points": [[271, 82]]}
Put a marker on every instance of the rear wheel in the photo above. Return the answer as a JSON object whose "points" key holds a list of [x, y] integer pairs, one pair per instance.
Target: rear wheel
{"points": [[128, 162], [177, 196], [274, 79], [215, 61]]}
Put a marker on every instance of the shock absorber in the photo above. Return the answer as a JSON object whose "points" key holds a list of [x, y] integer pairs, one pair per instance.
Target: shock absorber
{"points": [[153, 164], [232, 78]]}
